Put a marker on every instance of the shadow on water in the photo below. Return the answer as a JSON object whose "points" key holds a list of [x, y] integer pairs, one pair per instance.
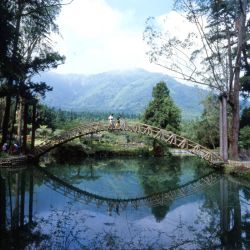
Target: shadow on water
{"points": [[33, 215]]}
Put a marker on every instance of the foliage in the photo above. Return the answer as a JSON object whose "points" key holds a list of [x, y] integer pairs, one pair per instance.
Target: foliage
{"points": [[7, 34], [45, 116], [245, 84], [245, 117], [44, 131], [206, 129], [244, 139], [161, 111], [209, 125], [26, 51]]}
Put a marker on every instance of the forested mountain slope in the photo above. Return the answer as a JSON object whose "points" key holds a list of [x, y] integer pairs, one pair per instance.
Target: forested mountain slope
{"points": [[118, 91]]}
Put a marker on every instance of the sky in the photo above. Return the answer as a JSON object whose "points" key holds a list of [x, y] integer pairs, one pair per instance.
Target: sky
{"points": [[103, 35]]}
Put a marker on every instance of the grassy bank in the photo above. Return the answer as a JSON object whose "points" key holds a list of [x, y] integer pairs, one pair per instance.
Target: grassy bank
{"points": [[107, 145], [238, 169]]}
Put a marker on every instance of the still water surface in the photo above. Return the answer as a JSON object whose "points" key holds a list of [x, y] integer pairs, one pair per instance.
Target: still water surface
{"points": [[124, 203]]}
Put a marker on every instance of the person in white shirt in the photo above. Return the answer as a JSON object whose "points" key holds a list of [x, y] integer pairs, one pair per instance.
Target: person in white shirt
{"points": [[111, 121]]}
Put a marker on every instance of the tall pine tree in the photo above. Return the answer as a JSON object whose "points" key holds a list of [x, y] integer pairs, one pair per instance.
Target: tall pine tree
{"points": [[161, 111]]}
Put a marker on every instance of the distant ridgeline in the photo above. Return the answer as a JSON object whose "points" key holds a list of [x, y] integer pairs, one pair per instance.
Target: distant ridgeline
{"points": [[90, 116], [126, 92]]}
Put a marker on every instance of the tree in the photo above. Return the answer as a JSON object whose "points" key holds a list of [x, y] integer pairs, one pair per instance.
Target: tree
{"points": [[7, 33], [209, 123], [161, 111], [29, 51], [205, 130], [46, 116], [211, 55], [244, 139]]}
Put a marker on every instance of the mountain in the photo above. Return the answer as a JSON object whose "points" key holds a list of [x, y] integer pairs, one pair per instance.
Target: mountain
{"points": [[118, 91]]}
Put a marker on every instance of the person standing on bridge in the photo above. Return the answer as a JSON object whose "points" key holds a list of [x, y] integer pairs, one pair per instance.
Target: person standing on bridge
{"points": [[111, 121], [117, 125]]}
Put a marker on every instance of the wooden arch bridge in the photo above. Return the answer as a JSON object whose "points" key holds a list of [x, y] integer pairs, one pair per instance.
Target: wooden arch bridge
{"points": [[144, 129], [153, 200]]}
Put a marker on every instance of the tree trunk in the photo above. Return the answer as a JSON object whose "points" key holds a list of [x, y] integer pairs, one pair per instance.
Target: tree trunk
{"points": [[241, 35], [19, 122], [14, 120], [10, 80], [223, 127], [158, 149], [235, 126], [33, 135], [6, 119], [25, 118], [2, 107]]}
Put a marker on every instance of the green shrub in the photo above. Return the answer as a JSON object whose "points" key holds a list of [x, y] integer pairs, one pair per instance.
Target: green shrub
{"points": [[244, 138]]}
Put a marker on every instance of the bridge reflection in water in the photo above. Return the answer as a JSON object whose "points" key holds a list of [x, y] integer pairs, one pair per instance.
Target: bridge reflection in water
{"points": [[17, 201], [157, 199]]}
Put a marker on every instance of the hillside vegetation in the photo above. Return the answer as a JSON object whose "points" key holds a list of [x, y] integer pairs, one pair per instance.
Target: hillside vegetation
{"points": [[118, 91]]}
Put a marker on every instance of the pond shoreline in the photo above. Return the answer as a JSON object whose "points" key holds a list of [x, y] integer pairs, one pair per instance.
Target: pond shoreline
{"points": [[240, 169], [76, 152]]}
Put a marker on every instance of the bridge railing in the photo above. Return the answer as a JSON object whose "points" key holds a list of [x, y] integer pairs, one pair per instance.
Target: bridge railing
{"points": [[70, 132], [151, 131], [176, 140], [81, 130]]}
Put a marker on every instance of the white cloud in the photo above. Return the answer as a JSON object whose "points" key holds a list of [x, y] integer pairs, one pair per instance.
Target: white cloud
{"points": [[89, 18], [96, 38], [176, 24]]}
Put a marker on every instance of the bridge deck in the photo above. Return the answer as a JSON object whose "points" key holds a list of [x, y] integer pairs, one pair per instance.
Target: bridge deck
{"points": [[144, 129]]}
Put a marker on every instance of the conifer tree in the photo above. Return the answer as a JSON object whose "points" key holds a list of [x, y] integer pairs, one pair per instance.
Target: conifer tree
{"points": [[161, 111]]}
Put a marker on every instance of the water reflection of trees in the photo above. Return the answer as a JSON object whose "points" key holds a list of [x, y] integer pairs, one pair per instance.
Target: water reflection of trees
{"points": [[74, 173], [234, 214], [153, 179], [16, 222], [162, 174], [223, 220]]}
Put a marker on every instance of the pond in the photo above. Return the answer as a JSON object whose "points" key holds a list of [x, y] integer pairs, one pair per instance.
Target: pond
{"points": [[123, 203]]}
